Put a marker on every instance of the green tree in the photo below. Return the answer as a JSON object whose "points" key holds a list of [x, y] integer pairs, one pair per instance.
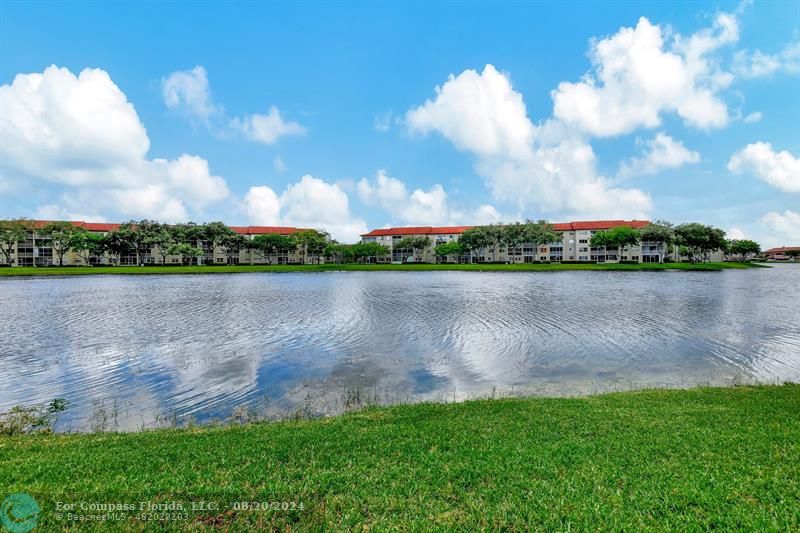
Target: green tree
{"points": [[661, 232], [115, 244], [156, 236], [87, 244], [744, 248], [446, 249], [216, 234], [618, 237], [316, 245], [60, 238], [233, 244], [130, 239], [658, 231], [473, 239], [11, 232], [540, 233], [699, 240], [185, 251], [311, 243], [514, 235], [369, 251], [412, 246], [335, 252], [268, 244], [419, 245], [404, 246]]}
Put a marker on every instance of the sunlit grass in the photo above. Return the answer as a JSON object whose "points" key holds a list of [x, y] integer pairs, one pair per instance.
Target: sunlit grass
{"points": [[724, 459]]}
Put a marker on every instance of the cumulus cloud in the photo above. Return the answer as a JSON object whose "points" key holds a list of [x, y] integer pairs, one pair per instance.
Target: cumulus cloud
{"points": [[547, 167], [188, 91], [757, 64], [267, 128], [779, 169], [735, 233], [262, 206], [477, 112], [82, 133], [640, 73], [429, 207], [310, 203], [784, 228], [753, 117], [660, 153]]}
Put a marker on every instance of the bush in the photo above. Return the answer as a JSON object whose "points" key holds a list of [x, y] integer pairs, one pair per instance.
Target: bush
{"points": [[40, 418]]}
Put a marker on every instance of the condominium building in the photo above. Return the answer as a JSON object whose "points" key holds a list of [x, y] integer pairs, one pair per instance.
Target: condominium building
{"points": [[36, 249], [574, 245], [783, 253]]}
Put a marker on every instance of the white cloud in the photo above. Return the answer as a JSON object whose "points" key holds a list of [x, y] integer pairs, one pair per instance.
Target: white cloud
{"points": [[429, 207], [735, 233], [188, 90], [82, 133], [56, 212], [779, 169], [262, 206], [477, 112], [754, 117], [660, 153], [266, 129], [309, 203], [278, 164], [637, 76], [546, 167], [784, 228], [758, 64]]}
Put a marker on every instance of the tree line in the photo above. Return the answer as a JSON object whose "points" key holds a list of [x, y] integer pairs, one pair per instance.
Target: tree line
{"points": [[693, 240], [138, 238], [185, 241]]}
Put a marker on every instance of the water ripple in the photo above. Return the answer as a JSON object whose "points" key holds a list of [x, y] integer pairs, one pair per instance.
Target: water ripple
{"points": [[203, 345]]}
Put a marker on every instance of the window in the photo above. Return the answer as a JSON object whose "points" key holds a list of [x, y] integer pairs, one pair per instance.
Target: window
{"points": [[583, 258], [583, 241], [583, 249]]}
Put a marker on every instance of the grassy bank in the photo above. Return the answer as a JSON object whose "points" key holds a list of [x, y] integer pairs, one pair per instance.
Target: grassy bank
{"points": [[485, 267], [724, 458]]}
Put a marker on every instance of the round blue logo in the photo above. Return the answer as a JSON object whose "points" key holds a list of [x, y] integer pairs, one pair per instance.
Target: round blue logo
{"points": [[19, 513]]}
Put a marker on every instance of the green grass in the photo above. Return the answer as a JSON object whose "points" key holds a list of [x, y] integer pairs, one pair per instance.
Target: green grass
{"points": [[709, 458], [227, 269]]}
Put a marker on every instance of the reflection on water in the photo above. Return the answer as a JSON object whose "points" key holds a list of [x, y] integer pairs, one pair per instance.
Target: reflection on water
{"points": [[202, 345]]}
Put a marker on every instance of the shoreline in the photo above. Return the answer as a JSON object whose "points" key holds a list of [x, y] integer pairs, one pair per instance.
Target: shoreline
{"points": [[630, 460], [407, 267]]}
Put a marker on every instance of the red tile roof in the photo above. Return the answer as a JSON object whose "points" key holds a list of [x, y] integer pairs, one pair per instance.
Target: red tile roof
{"points": [[608, 224], [99, 226], [261, 230], [560, 226], [782, 249]]}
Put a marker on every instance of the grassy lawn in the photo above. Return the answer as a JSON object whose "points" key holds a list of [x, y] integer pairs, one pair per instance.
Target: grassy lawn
{"points": [[63, 271], [726, 458]]}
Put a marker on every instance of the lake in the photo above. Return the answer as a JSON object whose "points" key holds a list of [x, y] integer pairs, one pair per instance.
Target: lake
{"points": [[131, 352]]}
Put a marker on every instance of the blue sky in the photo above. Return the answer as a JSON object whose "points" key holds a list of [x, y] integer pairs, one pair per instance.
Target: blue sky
{"points": [[328, 115]]}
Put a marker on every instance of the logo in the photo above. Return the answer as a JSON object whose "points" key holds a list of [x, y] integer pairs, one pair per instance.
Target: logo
{"points": [[19, 513]]}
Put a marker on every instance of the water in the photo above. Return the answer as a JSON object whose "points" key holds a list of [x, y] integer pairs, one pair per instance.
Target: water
{"points": [[132, 350]]}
